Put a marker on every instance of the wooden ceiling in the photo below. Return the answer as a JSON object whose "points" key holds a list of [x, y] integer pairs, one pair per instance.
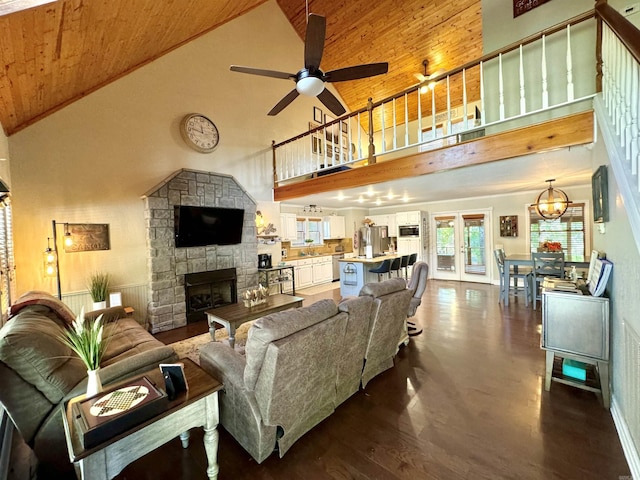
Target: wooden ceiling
{"points": [[56, 53]]}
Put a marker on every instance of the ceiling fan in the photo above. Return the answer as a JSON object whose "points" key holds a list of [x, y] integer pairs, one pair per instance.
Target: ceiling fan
{"points": [[310, 80], [426, 80]]}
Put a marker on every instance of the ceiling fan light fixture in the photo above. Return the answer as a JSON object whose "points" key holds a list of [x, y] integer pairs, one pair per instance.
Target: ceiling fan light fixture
{"points": [[310, 86]]}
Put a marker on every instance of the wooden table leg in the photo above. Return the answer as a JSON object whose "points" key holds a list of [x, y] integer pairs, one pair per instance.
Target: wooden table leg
{"points": [[211, 436], [549, 370]]}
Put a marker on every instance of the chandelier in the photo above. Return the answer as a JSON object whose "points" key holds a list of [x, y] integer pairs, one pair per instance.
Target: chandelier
{"points": [[552, 203], [312, 209]]}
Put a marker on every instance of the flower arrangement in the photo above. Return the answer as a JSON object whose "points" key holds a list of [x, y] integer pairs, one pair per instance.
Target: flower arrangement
{"points": [[548, 246], [86, 339]]}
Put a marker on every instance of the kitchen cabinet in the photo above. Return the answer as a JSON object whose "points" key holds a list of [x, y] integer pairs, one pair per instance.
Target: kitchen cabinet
{"points": [[334, 227], [303, 272], [388, 220], [288, 226], [322, 271], [408, 218], [576, 327], [407, 246]]}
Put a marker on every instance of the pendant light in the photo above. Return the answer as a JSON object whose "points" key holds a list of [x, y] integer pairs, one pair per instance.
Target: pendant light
{"points": [[552, 203]]}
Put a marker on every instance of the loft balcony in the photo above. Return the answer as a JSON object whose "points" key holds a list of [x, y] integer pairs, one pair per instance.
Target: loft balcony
{"points": [[532, 96]]}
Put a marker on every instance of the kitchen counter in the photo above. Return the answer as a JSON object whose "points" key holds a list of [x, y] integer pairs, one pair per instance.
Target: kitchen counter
{"points": [[354, 273]]}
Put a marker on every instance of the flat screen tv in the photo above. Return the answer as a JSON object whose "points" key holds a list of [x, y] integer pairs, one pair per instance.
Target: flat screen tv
{"points": [[200, 226]]}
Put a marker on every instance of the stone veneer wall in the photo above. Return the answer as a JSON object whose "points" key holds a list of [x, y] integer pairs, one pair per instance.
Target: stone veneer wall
{"points": [[168, 264]]}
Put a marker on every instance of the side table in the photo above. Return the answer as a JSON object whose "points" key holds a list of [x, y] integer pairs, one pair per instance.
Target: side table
{"points": [[198, 407]]}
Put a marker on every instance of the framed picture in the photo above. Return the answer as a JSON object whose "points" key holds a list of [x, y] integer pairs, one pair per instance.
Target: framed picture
{"points": [[317, 115], [600, 192], [316, 145], [345, 127], [523, 6], [508, 225]]}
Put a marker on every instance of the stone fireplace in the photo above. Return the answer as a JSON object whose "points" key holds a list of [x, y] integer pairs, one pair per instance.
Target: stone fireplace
{"points": [[170, 266], [205, 290]]}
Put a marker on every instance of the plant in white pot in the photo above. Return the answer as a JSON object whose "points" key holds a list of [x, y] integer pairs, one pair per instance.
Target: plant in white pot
{"points": [[99, 290]]}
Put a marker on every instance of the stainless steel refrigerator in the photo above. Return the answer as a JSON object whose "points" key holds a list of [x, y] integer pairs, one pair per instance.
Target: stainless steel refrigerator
{"points": [[376, 237]]}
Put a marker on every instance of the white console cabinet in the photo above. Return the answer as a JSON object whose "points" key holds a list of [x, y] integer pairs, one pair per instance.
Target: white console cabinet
{"points": [[576, 327]]}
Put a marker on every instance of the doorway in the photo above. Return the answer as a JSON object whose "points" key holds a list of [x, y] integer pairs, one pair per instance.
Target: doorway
{"points": [[461, 246]]}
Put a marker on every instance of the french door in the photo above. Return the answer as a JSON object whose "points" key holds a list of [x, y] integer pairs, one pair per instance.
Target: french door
{"points": [[461, 246]]}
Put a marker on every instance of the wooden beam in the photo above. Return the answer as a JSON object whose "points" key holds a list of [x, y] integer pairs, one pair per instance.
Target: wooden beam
{"points": [[563, 132]]}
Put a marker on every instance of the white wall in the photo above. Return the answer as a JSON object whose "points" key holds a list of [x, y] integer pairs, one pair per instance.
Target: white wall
{"points": [[91, 161]]}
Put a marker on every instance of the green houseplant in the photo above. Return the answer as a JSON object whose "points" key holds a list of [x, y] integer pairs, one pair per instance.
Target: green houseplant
{"points": [[99, 289]]}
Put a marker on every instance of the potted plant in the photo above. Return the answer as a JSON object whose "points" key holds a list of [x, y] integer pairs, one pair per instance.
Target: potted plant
{"points": [[86, 340], [99, 289]]}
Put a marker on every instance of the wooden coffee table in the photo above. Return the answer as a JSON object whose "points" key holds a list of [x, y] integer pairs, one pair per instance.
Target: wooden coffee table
{"points": [[197, 407], [234, 315]]}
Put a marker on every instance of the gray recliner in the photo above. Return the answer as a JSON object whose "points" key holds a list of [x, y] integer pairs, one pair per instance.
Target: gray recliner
{"points": [[417, 284]]}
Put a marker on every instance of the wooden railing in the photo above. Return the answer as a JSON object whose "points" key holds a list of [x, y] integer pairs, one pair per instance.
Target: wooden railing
{"points": [[485, 96]]}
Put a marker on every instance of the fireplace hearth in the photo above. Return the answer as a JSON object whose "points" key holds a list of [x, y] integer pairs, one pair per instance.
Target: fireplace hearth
{"points": [[206, 290]]}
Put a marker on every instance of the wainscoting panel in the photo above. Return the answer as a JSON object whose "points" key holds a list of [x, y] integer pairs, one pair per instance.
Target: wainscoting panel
{"points": [[630, 394], [136, 296]]}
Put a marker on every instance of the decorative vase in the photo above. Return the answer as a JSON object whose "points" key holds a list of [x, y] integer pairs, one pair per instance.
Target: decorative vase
{"points": [[94, 385], [99, 305]]}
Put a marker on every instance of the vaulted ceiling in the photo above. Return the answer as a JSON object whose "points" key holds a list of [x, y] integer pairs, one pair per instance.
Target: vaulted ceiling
{"points": [[56, 53]]}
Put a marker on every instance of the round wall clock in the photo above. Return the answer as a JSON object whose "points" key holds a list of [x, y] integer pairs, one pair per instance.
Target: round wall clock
{"points": [[199, 132]]}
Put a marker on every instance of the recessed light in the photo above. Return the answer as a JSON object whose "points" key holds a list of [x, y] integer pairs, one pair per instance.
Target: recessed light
{"points": [[360, 200]]}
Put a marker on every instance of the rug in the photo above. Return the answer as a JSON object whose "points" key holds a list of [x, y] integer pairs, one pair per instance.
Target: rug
{"points": [[190, 348]]}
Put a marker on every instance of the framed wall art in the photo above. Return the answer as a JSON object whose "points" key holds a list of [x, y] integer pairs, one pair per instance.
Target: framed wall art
{"points": [[600, 192], [508, 225], [317, 115], [523, 6], [88, 237]]}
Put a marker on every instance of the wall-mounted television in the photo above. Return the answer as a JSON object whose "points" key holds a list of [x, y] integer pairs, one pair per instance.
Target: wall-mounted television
{"points": [[200, 226]]}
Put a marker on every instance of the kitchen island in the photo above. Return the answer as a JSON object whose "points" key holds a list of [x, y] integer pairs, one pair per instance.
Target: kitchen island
{"points": [[354, 273]]}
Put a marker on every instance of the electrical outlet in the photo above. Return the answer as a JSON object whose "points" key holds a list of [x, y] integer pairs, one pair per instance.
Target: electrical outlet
{"points": [[630, 9]]}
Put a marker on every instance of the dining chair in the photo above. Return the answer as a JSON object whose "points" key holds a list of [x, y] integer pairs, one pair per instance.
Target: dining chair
{"points": [[506, 288], [545, 264]]}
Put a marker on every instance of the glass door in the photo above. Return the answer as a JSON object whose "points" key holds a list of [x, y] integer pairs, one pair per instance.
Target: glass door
{"points": [[461, 246]]}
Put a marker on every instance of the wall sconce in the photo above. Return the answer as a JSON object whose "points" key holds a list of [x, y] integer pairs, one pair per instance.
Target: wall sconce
{"points": [[51, 263], [552, 203], [259, 222]]}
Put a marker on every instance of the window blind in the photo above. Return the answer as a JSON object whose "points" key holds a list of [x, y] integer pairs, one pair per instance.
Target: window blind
{"points": [[568, 230]]}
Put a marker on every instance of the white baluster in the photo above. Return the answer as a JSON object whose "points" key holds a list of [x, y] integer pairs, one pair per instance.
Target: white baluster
{"points": [[482, 110], [433, 112], [359, 137], [448, 107], [569, 66], [406, 120], [523, 102], [395, 130], [543, 69], [382, 127], [635, 99], [618, 105], [500, 87], [627, 65], [465, 121], [419, 118]]}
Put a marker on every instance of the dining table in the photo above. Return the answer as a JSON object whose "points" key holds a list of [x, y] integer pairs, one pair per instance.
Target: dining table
{"points": [[517, 260]]}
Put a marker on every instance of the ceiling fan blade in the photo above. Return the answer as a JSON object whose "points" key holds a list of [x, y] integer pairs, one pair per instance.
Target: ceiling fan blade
{"points": [[421, 78], [356, 72], [289, 97], [331, 102], [314, 41], [264, 73]]}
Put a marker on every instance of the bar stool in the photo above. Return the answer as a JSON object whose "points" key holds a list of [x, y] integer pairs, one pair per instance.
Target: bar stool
{"points": [[395, 266], [412, 259], [385, 267], [404, 261]]}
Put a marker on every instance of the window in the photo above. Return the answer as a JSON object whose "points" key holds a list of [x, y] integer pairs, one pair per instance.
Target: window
{"points": [[568, 230], [308, 228]]}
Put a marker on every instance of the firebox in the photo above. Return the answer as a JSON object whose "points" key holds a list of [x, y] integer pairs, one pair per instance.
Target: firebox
{"points": [[206, 290]]}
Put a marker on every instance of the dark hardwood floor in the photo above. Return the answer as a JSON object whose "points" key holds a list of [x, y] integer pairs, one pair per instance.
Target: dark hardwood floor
{"points": [[465, 400]]}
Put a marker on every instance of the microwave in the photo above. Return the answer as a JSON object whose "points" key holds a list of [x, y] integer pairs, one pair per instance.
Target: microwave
{"points": [[408, 230]]}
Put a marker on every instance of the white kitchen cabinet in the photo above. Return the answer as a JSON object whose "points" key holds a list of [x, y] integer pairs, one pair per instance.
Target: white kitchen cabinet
{"points": [[334, 227], [387, 220], [407, 246], [322, 271], [289, 228], [408, 218], [304, 273]]}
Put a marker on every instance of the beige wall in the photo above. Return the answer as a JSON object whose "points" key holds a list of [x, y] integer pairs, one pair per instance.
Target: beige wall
{"points": [[5, 174], [91, 161]]}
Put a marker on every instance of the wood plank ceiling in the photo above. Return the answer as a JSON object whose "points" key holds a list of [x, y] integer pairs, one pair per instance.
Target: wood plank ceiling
{"points": [[54, 54]]}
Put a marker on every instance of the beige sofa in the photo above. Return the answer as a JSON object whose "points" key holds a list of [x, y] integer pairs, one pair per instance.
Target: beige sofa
{"points": [[38, 373], [299, 365]]}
